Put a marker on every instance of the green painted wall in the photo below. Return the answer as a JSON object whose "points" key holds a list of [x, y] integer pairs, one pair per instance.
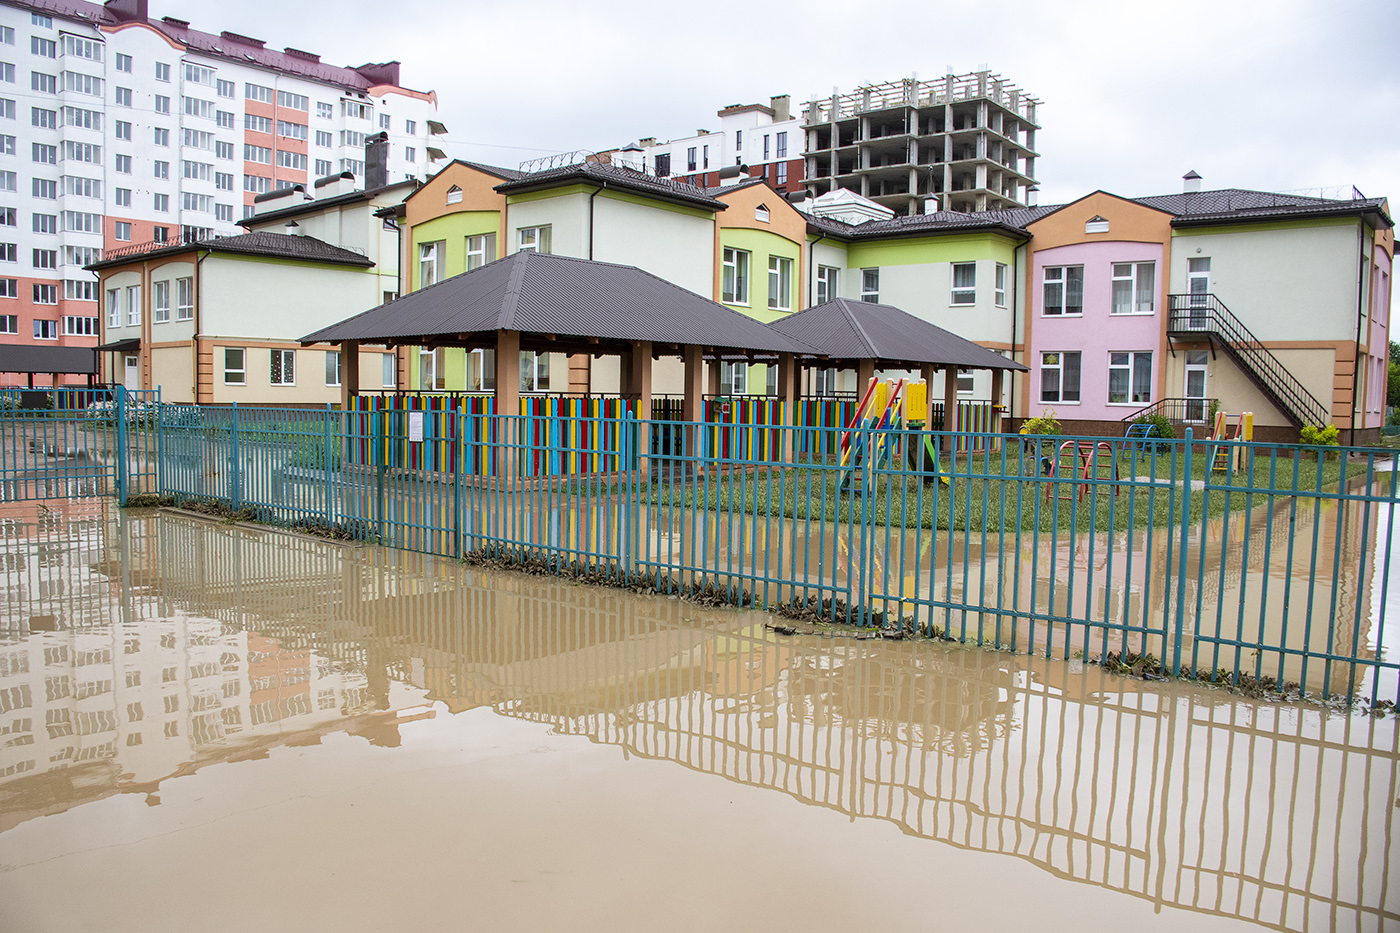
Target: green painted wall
{"points": [[454, 230], [761, 245], [916, 250]]}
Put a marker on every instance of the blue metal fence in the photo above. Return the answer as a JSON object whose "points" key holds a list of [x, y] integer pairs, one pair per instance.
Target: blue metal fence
{"points": [[1221, 559]]}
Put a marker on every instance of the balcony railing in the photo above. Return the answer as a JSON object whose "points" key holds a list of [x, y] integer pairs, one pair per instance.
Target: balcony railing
{"points": [[1206, 315]]}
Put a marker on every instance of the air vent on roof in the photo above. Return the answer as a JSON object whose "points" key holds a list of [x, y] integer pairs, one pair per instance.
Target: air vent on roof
{"points": [[245, 40], [174, 22], [307, 56]]}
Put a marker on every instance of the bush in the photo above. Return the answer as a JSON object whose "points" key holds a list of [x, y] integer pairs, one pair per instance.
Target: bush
{"points": [[1161, 427], [1047, 423], [1320, 437]]}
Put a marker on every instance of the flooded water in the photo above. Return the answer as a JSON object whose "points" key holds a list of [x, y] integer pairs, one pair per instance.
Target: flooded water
{"points": [[204, 726]]}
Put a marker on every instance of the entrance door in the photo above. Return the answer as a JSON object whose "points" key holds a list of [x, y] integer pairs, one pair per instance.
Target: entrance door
{"points": [[1196, 363], [132, 380], [1198, 285]]}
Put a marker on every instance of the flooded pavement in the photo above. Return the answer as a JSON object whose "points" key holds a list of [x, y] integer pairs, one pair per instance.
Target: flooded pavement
{"points": [[205, 726]]}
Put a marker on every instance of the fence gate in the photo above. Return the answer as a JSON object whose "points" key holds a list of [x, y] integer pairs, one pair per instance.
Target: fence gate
{"points": [[77, 443]]}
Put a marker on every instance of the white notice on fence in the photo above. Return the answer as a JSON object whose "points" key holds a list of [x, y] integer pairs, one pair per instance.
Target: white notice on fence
{"points": [[415, 426]]}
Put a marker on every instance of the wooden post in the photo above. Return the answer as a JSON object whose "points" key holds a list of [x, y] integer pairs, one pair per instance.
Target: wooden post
{"points": [[636, 374], [996, 401], [950, 406], [692, 408], [712, 376], [787, 397], [349, 372], [865, 371], [507, 399]]}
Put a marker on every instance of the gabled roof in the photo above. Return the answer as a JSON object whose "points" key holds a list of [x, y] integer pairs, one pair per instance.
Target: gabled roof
{"points": [[257, 243], [1011, 222], [615, 176], [847, 330], [302, 207], [1226, 205], [536, 293], [505, 174]]}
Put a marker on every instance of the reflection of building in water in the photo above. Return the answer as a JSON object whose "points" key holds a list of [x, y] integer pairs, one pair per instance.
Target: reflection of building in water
{"points": [[1190, 799]]}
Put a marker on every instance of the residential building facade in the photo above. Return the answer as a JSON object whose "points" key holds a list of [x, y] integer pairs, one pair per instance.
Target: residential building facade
{"points": [[118, 128]]}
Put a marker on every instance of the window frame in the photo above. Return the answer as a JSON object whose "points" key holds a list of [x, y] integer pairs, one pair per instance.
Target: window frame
{"points": [[962, 296], [781, 277], [430, 257], [1063, 282], [542, 236], [736, 276], [333, 369], [241, 370], [277, 368], [482, 248], [160, 302], [1133, 280], [184, 298], [1129, 368], [867, 277], [999, 285], [828, 283], [1058, 367]]}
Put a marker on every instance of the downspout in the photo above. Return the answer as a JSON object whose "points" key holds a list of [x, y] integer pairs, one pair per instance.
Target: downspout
{"points": [[194, 337], [590, 217], [812, 269], [1356, 347]]}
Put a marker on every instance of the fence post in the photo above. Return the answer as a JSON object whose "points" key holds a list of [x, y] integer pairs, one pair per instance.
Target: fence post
{"points": [[235, 480], [1180, 623], [628, 439], [326, 460], [377, 458], [122, 477]]}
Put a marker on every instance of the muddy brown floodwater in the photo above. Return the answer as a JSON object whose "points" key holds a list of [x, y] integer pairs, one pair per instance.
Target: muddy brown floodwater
{"points": [[211, 727]]}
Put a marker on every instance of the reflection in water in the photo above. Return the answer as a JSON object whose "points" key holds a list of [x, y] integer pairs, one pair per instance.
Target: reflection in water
{"points": [[136, 650]]}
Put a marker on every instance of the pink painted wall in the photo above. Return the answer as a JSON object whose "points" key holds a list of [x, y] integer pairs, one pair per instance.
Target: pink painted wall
{"points": [[1096, 333], [1378, 340]]}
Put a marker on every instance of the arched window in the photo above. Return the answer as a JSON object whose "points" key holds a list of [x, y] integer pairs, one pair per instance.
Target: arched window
{"points": [[454, 195]]}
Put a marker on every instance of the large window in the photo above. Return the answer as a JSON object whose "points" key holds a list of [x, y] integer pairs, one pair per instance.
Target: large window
{"points": [[828, 278], [429, 263], [779, 283], [388, 370], [184, 299], [733, 378], [534, 372], [999, 290], [114, 307], [1059, 377], [1134, 288], [870, 285], [432, 369], [480, 250], [332, 367], [735, 284], [535, 238], [133, 304], [1064, 290], [283, 371], [160, 302], [235, 366], [1129, 378], [964, 283]]}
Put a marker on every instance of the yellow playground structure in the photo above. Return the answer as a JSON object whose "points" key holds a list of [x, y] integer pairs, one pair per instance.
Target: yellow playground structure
{"points": [[887, 408]]}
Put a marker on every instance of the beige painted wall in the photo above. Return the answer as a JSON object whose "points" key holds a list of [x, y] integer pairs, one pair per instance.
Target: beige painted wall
{"points": [[268, 300], [1237, 392], [173, 371]]}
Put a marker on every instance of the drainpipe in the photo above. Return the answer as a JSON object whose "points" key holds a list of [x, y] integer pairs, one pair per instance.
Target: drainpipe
{"points": [[812, 269], [590, 218], [198, 318], [1360, 307]]}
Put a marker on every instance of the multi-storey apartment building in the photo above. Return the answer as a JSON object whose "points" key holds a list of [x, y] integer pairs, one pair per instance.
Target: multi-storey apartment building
{"points": [[959, 143], [117, 128]]}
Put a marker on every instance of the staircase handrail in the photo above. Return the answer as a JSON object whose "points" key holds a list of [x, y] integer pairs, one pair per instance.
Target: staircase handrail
{"points": [[1182, 403], [1205, 313]]}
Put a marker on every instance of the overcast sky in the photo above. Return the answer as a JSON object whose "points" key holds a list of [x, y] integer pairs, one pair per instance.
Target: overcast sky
{"points": [[1276, 95]]}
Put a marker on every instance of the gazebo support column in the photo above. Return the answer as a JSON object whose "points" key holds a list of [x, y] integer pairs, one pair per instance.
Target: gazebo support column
{"points": [[950, 406], [712, 376], [349, 372], [507, 399], [636, 383], [865, 371], [996, 400], [694, 389], [787, 397]]}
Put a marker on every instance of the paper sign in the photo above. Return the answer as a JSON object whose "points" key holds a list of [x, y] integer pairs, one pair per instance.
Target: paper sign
{"points": [[415, 426]]}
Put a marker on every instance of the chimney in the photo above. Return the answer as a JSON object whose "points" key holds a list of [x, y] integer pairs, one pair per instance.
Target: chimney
{"points": [[1032, 196], [292, 227], [1190, 182], [332, 185], [781, 106], [376, 161], [127, 11], [382, 73]]}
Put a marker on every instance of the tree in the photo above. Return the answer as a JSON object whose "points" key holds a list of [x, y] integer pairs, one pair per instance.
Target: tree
{"points": [[1394, 352], [1392, 392]]}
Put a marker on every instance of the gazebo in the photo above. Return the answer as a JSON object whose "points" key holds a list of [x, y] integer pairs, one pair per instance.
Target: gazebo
{"points": [[547, 303], [866, 336], [51, 361]]}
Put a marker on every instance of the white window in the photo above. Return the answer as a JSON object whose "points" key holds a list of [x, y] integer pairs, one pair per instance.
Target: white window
{"points": [[225, 88], [870, 285], [429, 372], [762, 214], [534, 372], [79, 291], [124, 63], [293, 101], [1134, 288], [999, 291], [410, 154], [325, 111], [257, 92], [1129, 378], [779, 283], [535, 238], [690, 159], [76, 326], [430, 263], [283, 371], [1059, 377], [824, 381], [1064, 290], [828, 278], [454, 195], [736, 276], [324, 138], [332, 367], [114, 307], [161, 203], [293, 160], [133, 304], [45, 329], [40, 152], [223, 149], [480, 250], [782, 145], [45, 294], [162, 71], [964, 283], [162, 104], [733, 378], [123, 130], [388, 371], [323, 168], [160, 302], [291, 130], [122, 231], [261, 154], [410, 127], [782, 174], [122, 97], [235, 366], [184, 299]]}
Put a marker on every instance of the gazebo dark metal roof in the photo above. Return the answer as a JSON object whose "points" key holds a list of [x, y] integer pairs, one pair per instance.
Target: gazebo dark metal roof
{"points": [[849, 330], [559, 303], [16, 358]]}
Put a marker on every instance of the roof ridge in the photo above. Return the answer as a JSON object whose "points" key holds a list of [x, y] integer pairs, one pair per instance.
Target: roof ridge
{"points": [[512, 296], [850, 316]]}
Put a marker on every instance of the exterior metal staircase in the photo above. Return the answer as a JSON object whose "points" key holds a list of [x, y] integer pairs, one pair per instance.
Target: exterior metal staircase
{"points": [[1204, 315]]}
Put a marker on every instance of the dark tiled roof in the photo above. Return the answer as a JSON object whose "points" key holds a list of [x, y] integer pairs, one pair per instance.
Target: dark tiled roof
{"points": [[257, 243], [736, 186], [300, 206], [845, 330], [536, 293], [1012, 220], [1235, 204], [509, 174], [25, 358], [231, 48], [616, 176]]}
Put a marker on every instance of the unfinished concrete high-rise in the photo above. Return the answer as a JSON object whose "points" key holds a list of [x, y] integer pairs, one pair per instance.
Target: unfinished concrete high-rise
{"points": [[958, 143]]}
